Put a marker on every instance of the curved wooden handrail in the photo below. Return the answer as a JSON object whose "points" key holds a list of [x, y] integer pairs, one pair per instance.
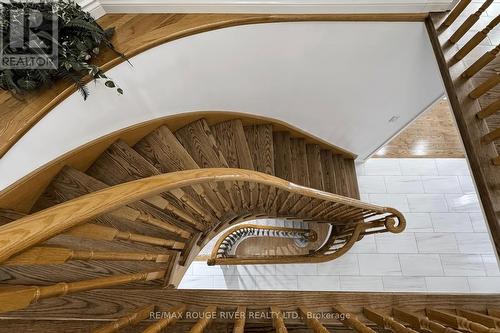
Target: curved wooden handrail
{"points": [[38, 227], [312, 236], [317, 256], [134, 36], [21, 195]]}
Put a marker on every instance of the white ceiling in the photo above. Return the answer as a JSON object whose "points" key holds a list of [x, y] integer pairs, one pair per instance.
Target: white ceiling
{"points": [[340, 81]]}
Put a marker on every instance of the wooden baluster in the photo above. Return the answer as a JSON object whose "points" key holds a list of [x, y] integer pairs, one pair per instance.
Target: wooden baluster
{"points": [[385, 321], [239, 321], [166, 205], [260, 196], [271, 195], [418, 322], [336, 212], [485, 86], [469, 22], [173, 314], [284, 205], [491, 136], [129, 320], [480, 318], [226, 206], [21, 297], [453, 15], [304, 211], [278, 322], [207, 318], [133, 214], [243, 189], [489, 110], [279, 193], [253, 199], [203, 192], [320, 208], [481, 63], [233, 202], [302, 203], [148, 219], [311, 322], [327, 209], [351, 213], [57, 255], [189, 202], [476, 39], [99, 232], [457, 322], [350, 320]]}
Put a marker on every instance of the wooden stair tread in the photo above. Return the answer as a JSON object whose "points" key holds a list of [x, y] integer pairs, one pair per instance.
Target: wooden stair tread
{"points": [[8, 215], [68, 184], [314, 166], [328, 169], [300, 172], [162, 149], [200, 143], [74, 271], [231, 140], [71, 183], [260, 144], [282, 155], [340, 175], [120, 164], [351, 178]]}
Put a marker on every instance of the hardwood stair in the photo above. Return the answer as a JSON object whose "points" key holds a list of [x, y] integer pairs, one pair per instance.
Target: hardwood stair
{"points": [[154, 311], [148, 242]]}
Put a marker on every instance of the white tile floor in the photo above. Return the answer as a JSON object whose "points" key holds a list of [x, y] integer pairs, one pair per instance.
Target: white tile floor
{"points": [[446, 247]]}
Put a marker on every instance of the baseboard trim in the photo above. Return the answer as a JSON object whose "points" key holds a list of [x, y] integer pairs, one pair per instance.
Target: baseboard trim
{"points": [[276, 7]]}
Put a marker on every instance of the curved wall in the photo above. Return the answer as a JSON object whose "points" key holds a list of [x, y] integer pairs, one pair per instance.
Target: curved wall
{"points": [[341, 81]]}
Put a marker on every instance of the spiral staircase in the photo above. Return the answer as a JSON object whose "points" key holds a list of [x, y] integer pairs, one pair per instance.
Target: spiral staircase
{"points": [[98, 239], [139, 214]]}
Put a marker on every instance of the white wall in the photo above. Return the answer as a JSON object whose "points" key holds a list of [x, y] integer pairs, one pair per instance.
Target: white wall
{"points": [[340, 81]]}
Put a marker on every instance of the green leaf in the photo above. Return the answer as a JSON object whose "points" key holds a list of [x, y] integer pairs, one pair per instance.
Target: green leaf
{"points": [[27, 84], [79, 38]]}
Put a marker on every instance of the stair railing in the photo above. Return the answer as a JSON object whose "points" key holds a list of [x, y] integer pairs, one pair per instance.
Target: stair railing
{"points": [[20, 240], [33, 229], [228, 243], [321, 312], [466, 82]]}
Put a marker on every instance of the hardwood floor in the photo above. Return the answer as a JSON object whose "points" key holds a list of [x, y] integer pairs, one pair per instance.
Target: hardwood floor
{"points": [[433, 135]]}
